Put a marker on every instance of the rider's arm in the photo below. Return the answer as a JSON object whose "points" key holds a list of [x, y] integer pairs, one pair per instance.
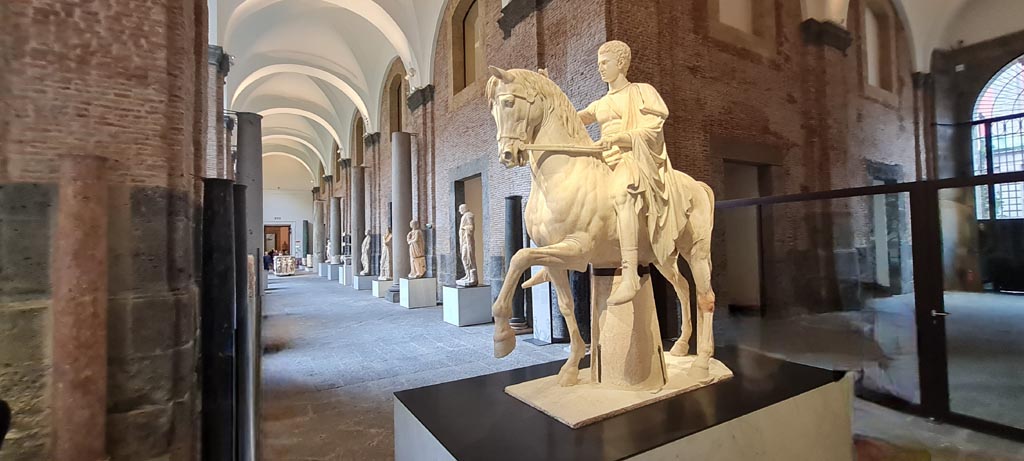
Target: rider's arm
{"points": [[587, 115]]}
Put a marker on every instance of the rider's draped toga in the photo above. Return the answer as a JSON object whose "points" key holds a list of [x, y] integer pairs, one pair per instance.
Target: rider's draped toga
{"points": [[638, 111]]}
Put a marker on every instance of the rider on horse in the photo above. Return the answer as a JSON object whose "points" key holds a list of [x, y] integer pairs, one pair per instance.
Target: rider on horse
{"points": [[631, 116]]}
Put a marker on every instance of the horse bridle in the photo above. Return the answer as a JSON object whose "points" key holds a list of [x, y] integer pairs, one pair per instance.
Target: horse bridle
{"points": [[520, 128]]}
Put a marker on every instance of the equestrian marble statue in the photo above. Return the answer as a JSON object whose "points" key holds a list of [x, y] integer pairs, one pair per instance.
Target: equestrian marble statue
{"points": [[649, 213]]}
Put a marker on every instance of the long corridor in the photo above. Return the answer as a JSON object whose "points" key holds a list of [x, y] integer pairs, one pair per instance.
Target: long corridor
{"points": [[334, 356]]}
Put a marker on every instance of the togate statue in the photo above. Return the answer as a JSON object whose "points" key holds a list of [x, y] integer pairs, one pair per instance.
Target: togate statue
{"points": [[466, 244], [385, 257], [417, 255], [648, 214], [365, 258]]}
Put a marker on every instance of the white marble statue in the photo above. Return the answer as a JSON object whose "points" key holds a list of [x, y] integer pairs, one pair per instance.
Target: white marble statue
{"points": [[417, 254], [385, 257], [595, 194], [330, 252], [466, 244], [365, 258]]}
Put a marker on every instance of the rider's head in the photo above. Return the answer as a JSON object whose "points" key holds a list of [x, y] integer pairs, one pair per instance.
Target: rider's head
{"points": [[613, 58]]}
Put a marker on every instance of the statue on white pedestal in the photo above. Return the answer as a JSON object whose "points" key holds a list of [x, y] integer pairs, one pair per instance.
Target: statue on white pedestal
{"points": [[385, 257], [365, 258], [330, 252], [417, 254], [466, 244], [578, 220]]}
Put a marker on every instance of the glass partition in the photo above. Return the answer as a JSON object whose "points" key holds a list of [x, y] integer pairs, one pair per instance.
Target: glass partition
{"points": [[836, 287]]}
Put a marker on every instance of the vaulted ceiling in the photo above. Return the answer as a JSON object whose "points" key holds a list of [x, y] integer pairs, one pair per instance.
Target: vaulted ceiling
{"points": [[311, 66]]}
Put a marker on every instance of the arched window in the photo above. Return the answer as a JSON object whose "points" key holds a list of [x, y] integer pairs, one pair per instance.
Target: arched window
{"points": [[879, 30], [395, 106], [360, 147], [998, 142], [468, 61]]}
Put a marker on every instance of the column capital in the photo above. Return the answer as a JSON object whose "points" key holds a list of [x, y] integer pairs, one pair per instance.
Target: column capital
{"points": [[215, 55], [371, 139], [421, 97], [826, 33]]}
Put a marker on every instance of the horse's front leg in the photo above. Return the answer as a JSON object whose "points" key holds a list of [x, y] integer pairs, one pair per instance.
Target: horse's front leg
{"points": [[557, 255]]}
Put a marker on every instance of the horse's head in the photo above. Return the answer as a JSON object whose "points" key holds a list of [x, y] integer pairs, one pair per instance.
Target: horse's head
{"points": [[512, 106]]}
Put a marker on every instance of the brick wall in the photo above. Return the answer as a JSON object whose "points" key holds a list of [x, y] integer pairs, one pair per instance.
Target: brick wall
{"points": [[801, 107], [124, 80]]}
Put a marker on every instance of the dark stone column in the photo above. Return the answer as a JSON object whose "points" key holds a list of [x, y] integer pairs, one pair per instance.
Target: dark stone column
{"points": [[249, 165], [580, 283], [79, 280], [358, 201], [514, 243], [335, 230], [217, 320], [318, 232], [247, 324], [401, 207]]}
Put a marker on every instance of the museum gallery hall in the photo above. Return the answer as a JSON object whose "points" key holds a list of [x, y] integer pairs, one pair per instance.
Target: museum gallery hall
{"points": [[298, 230]]}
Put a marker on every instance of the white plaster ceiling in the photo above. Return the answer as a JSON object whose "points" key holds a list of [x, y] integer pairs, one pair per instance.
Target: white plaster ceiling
{"points": [[282, 171], [309, 65]]}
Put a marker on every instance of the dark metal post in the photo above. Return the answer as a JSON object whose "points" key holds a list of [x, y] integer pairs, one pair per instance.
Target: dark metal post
{"points": [[514, 243], [217, 327]]}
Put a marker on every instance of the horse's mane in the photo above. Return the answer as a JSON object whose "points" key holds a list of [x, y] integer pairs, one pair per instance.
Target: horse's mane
{"points": [[544, 87]]}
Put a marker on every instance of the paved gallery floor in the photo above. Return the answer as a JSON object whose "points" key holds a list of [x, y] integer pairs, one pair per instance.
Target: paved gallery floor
{"points": [[334, 356]]}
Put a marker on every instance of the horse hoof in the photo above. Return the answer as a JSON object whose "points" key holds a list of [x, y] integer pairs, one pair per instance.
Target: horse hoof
{"points": [[504, 345], [698, 373], [680, 349], [568, 378]]}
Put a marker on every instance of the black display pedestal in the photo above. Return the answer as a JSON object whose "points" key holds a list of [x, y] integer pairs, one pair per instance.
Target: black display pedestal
{"points": [[475, 419]]}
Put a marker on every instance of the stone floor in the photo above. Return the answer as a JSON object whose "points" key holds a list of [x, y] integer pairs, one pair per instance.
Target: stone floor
{"points": [[334, 357]]}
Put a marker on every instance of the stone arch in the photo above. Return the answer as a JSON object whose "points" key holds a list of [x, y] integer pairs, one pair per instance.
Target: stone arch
{"points": [[305, 114], [309, 71], [312, 176], [371, 11]]}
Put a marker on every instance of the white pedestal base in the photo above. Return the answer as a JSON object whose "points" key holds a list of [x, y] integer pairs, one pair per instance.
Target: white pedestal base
{"points": [[333, 271], [362, 282], [345, 275], [589, 402], [417, 293], [380, 287], [322, 269], [467, 306]]}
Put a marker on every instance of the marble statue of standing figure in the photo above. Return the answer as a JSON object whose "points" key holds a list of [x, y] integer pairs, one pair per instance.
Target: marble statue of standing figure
{"points": [[365, 258], [466, 243], [417, 254], [330, 252], [385, 257], [631, 116]]}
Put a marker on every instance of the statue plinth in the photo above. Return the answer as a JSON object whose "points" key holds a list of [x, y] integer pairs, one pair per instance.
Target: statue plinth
{"points": [[626, 350]]}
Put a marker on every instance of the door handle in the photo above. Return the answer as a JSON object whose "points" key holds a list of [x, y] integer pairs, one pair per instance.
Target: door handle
{"points": [[939, 314]]}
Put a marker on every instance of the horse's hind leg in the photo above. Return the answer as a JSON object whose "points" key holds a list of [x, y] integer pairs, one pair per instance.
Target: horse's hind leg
{"points": [[682, 288], [569, 374], [700, 264]]}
